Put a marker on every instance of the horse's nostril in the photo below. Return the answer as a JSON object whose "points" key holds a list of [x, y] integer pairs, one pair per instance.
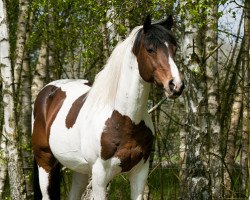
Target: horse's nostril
{"points": [[171, 85], [182, 86], [176, 88]]}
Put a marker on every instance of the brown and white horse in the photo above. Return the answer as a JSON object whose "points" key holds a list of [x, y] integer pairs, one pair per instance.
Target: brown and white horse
{"points": [[105, 129]]}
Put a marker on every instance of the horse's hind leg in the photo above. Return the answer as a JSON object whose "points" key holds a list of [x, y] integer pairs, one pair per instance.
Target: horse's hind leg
{"points": [[79, 183], [138, 177], [49, 177], [44, 183]]}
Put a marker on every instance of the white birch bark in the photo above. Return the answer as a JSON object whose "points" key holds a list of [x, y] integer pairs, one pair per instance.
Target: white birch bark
{"points": [[231, 140], [21, 39], [213, 103], [193, 147], [3, 164], [231, 114], [245, 149], [22, 89], [15, 173], [39, 76]]}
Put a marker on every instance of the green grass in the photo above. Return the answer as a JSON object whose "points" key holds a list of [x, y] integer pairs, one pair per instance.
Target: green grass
{"points": [[119, 188], [163, 184]]}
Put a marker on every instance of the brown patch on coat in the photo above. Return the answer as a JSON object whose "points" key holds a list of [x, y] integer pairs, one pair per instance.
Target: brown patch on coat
{"points": [[125, 140], [47, 105], [74, 111]]}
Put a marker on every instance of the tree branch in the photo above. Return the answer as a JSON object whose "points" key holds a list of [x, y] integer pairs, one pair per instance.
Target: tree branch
{"points": [[157, 105], [212, 52]]}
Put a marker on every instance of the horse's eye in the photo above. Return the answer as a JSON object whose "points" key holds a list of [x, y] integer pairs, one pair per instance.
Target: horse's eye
{"points": [[151, 50]]}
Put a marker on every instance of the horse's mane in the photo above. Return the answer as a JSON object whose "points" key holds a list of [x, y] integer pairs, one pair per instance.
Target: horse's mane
{"points": [[104, 89]]}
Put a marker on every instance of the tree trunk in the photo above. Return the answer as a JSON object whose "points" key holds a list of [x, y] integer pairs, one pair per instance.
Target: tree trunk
{"points": [[25, 124], [212, 88], [228, 85], [22, 90], [194, 141], [16, 178], [20, 42], [3, 164], [40, 73], [231, 141], [246, 102]]}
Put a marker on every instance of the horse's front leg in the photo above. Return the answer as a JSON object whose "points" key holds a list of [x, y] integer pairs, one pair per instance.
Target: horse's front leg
{"points": [[100, 180], [138, 177], [102, 173]]}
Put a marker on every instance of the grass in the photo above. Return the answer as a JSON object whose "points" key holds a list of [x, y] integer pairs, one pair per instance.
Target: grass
{"points": [[163, 184]]}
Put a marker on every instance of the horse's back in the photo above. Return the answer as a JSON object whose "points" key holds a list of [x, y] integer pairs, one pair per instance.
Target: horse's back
{"points": [[51, 98], [54, 97]]}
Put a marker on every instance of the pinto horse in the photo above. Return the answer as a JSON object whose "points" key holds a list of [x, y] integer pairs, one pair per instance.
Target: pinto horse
{"points": [[105, 129]]}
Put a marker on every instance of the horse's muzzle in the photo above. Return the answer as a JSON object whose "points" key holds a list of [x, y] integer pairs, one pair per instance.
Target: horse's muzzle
{"points": [[174, 89]]}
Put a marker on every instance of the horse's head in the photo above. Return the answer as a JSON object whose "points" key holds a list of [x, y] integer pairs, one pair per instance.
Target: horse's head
{"points": [[154, 48]]}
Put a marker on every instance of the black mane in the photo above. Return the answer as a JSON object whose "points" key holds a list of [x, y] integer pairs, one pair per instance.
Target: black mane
{"points": [[158, 32], [155, 35]]}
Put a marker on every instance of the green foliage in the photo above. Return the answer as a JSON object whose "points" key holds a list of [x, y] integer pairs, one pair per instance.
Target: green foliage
{"points": [[73, 29], [199, 10], [12, 18]]}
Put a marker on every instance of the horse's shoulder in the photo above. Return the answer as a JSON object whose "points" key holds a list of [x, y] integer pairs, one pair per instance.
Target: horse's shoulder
{"points": [[124, 139]]}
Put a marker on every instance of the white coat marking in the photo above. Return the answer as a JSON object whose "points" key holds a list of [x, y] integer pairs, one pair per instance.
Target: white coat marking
{"points": [[174, 70]]}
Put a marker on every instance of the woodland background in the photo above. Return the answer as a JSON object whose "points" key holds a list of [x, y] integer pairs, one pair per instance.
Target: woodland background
{"points": [[201, 149]]}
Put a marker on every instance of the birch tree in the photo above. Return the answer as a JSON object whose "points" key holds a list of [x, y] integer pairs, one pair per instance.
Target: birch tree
{"points": [[234, 120], [246, 103], [26, 109], [213, 102], [193, 147], [39, 76], [3, 164], [231, 138], [15, 172], [21, 38]]}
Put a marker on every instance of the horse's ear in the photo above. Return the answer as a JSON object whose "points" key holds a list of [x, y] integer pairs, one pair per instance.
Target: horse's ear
{"points": [[147, 23], [167, 23]]}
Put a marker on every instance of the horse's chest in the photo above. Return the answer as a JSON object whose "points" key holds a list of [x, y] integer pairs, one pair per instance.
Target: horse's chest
{"points": [[125, 140]]}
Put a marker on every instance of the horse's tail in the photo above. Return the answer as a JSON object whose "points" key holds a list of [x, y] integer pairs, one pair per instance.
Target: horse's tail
{"points": [[55, 179], [54, 183]]}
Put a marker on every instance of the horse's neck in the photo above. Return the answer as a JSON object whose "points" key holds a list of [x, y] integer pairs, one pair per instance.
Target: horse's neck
{"points": [[132, 93], [119, 86]]}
